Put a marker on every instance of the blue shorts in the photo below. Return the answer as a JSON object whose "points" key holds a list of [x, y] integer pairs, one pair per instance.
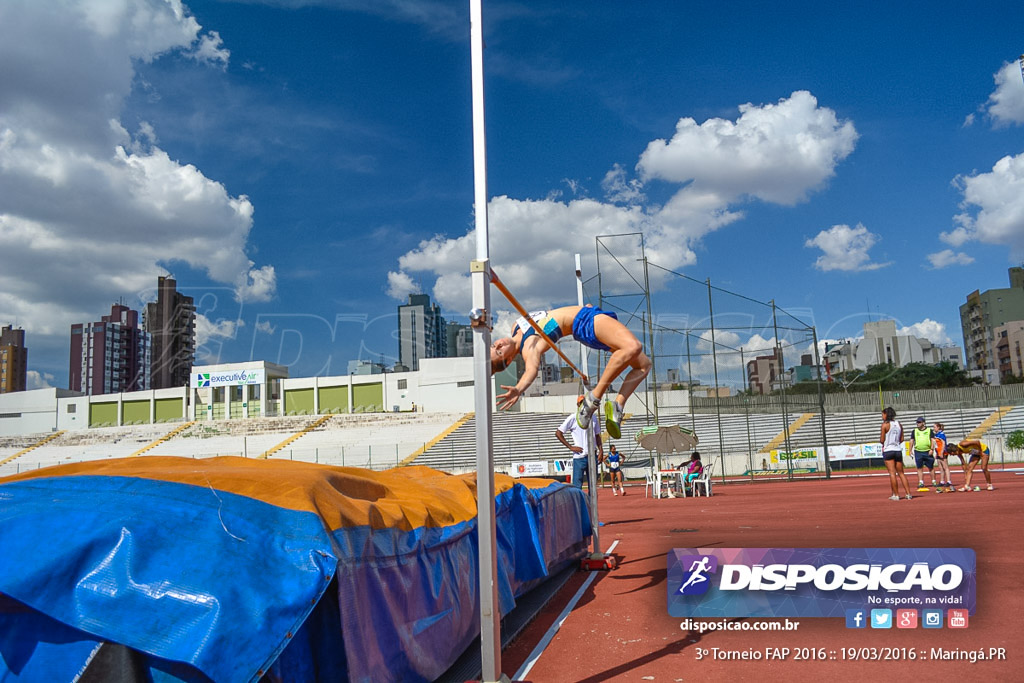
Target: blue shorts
{"points": [[583, 327], [924, 459]]}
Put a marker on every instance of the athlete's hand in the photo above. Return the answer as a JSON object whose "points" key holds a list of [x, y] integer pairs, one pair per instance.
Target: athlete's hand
{"points": [[509, 398]]}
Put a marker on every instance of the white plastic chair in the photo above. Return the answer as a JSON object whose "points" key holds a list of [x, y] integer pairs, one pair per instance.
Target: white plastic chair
{"points": [[649, 483], [703, 480]]}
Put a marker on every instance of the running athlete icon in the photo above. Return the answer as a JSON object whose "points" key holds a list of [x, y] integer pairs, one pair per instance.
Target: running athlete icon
{"points": [[697, 571]]}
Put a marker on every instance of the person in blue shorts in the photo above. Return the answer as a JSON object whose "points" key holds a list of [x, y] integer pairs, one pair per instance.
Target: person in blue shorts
{"points": [[590, 326], [614, 461], [922, 441]]}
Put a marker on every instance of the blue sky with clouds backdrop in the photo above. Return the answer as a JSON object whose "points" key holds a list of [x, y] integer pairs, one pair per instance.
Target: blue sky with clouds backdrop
{"points": [[301, 166]]}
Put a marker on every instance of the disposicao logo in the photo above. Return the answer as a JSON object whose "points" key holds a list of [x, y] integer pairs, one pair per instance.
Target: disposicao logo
{"points": [[695, 580], [823, 582]]}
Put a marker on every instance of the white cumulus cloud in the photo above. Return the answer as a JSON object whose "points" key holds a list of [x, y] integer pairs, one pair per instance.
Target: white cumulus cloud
{"points": [[992, 207], [778, 153], [845, 248], [948, 257], [90, 212], [929, 329], [38, 380], [775, 152], [1005, 105]]}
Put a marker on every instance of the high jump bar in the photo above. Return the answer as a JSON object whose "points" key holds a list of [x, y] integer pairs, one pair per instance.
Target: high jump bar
{"points": [[526, 316]]}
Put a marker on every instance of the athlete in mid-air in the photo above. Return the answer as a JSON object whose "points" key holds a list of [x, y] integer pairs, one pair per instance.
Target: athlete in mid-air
{"points": [[592, 327]]}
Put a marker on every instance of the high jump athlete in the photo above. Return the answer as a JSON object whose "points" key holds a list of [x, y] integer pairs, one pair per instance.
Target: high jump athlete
{"points": [[595, 329]]}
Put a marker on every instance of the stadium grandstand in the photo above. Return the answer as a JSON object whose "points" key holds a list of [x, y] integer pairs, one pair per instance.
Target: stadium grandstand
{"points": [[446, 441]]}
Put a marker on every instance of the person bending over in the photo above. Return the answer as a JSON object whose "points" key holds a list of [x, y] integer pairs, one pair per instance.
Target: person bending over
{"points": [[979, 453], [595, 329]]}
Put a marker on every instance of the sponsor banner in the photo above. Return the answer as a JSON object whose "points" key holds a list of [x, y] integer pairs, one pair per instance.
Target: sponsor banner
{"points": [[844, 452], [864, 450], [203, 380], [536, 468], [871, 450], [783, 456], [817, 582]]}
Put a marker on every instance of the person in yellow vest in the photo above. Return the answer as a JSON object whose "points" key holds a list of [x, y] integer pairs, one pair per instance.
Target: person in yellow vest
{"points": [[980, 453], [922, 440]]}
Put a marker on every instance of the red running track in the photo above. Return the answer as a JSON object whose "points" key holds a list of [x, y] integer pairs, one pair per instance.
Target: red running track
{"points": [[621, 631]]}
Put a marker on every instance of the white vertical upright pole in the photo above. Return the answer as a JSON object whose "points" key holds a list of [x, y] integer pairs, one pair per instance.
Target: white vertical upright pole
{"points": [[490, 617], [592, 433]]}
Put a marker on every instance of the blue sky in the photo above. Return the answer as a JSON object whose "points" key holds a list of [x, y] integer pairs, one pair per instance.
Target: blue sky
{"points": [[301, 166]]}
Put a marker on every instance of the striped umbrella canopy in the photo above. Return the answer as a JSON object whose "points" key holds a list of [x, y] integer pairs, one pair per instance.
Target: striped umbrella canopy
{"points": [[666, 438]]}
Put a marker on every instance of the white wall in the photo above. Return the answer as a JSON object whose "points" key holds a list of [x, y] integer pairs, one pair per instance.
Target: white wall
{"points": [[35, 411]]}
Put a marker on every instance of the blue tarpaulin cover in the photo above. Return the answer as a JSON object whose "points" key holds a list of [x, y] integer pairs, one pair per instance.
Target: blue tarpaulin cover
{"points": [[235, 569]]}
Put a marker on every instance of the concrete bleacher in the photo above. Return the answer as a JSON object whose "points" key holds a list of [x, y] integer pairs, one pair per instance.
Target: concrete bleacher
{"points": [[739, 441], [369, 441], [382, 440], [1011, 422], [82, 445], [531, 436]]}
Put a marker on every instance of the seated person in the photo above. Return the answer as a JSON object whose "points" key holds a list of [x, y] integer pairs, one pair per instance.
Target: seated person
{"points": [[591, 327], [694, 468]]}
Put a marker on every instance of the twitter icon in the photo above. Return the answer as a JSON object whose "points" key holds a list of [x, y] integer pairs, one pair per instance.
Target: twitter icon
{"points": [[881, 618]]}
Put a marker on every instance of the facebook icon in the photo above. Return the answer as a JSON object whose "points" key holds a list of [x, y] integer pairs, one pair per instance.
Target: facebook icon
{"points": [[856, 618]]}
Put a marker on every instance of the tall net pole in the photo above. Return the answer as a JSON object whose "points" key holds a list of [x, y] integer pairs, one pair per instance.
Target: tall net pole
{"points": [[718, 397], [480, 317], [590, 448]]}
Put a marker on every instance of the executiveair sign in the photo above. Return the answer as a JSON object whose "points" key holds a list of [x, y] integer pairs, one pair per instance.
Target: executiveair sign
{"points": [[203, 380]]}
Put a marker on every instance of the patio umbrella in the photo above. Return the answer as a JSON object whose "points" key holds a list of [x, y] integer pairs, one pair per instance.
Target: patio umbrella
{"points": [[666, 439]]}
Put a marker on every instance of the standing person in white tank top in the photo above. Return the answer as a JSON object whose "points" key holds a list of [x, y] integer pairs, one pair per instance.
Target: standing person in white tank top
{"points": [[892, 453]]}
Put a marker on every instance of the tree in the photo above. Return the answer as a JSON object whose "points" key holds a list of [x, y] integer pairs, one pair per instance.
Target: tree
{"points": [[888, 377], [1015, 440]]}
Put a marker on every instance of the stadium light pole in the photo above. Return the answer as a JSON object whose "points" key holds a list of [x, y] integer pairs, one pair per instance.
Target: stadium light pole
{"points": [[480, 320]]}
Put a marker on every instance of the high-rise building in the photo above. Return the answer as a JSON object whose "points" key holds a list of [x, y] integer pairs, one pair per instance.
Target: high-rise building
{"points": [[171, 322], [884, 343], [110, 356], [983, 313], [460, 340], [1010, 349], [764, 373], [421, 331], [13, 360]]}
